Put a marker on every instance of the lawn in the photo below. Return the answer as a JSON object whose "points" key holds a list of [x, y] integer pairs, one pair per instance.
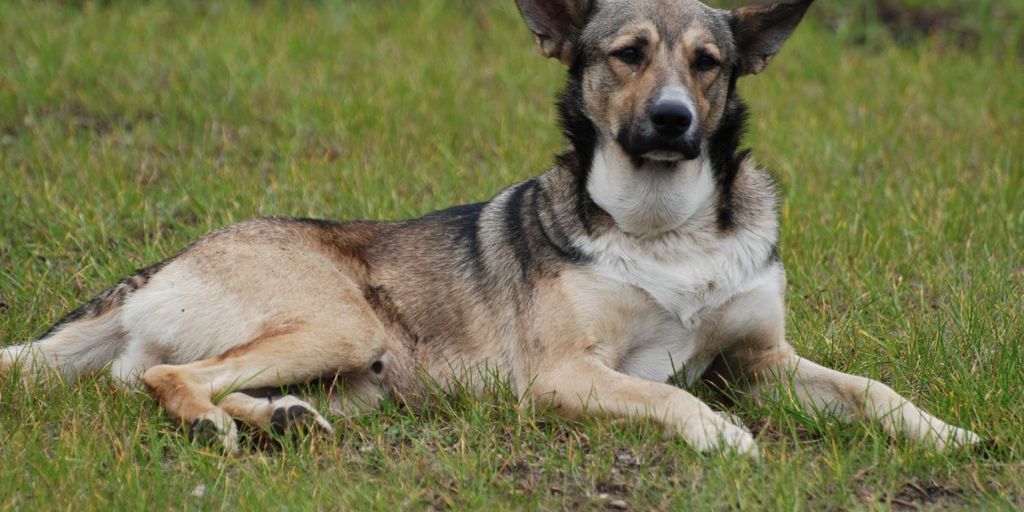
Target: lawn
{"points": [[128, 129]]}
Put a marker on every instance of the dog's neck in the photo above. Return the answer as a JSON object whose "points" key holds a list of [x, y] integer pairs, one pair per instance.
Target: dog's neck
{"points": [[653, 198]]}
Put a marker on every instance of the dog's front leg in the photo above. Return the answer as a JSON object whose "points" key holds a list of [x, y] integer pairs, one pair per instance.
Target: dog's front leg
{"points": [[586, 387], [854, 398], [752, 325]]}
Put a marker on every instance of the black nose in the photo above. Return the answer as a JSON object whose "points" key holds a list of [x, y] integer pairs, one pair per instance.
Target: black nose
{"points": [[671, 118]]}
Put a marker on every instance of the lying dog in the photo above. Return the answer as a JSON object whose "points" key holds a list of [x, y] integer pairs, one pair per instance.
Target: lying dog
{"points": [[650, 249]]}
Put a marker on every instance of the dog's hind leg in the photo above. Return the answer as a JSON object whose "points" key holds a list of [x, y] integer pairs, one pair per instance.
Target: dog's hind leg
{"points": [[348, 395], [351, 342], [277, 414]]}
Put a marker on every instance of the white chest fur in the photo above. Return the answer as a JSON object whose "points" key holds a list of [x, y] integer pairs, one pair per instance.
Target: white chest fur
{"points": [[656, 303], [668, 267]]}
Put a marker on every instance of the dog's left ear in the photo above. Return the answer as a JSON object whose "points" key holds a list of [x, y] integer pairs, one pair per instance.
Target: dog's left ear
{"points": [[556, 24], [760, 31]]}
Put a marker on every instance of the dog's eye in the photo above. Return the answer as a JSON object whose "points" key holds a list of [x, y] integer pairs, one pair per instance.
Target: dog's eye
{"points": [[631, 55], [705, 62]]}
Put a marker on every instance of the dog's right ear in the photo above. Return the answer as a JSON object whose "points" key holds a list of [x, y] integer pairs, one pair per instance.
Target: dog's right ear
{"points": [[556, 24]]}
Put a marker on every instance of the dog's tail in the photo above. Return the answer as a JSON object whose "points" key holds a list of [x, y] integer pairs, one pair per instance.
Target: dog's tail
{"points": [[83, 342]]}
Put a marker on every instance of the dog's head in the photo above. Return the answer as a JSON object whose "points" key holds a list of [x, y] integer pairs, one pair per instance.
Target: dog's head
{"points": [[654, 78]]}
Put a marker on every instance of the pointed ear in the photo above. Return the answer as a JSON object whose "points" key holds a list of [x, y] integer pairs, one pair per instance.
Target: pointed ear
{"points": [[555, 25], [760, 31]]}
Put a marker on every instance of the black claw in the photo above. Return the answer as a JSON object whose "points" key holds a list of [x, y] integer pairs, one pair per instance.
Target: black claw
{"points": [[292, 418], [204, 431], [298, 415], [279, 421]]}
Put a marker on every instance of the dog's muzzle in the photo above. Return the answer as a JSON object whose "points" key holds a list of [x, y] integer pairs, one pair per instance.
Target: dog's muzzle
{"points": [[669, 131]]}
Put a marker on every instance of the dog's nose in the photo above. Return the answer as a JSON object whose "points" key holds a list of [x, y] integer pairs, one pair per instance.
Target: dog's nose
{"points": [[671, 118]]}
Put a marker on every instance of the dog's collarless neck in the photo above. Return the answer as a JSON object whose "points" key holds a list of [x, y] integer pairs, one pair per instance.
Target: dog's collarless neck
{"points": [[649, 201]]}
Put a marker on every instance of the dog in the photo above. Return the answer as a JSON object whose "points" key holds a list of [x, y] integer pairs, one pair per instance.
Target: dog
{"points": [[648, 251]]}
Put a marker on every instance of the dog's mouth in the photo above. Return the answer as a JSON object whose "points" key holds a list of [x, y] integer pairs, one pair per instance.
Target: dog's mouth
{"points": [[656, 150], [664, 156]]}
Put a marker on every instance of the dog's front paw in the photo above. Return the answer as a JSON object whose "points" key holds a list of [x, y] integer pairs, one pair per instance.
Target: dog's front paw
{"points": [[948, 438], [718, 434]]}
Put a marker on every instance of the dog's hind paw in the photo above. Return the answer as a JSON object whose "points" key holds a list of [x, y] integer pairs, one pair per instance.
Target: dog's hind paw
{"points": [[215, 428], [292, 414]]}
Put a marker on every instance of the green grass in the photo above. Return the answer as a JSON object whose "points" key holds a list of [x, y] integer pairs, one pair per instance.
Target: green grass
{"points": [[127, 130]]}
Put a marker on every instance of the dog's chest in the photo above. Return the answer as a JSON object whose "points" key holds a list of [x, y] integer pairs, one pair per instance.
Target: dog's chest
{"points": [[652, 298]]}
